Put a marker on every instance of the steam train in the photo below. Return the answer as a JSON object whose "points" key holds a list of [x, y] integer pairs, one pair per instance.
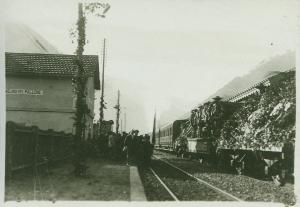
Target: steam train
{"points": [[272, 162]]}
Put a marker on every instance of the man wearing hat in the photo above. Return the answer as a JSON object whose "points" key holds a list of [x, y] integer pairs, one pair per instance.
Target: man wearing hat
{"points": [[217, 114], [128, 147], [193, 122], [200, 121]]}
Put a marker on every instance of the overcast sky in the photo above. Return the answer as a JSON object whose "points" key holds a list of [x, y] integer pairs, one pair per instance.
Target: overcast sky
{"points": [[168, 54]]}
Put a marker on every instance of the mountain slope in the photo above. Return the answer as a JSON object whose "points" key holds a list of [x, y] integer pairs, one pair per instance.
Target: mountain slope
{"points": [[276, 64], [20, 38], [264, 70]]}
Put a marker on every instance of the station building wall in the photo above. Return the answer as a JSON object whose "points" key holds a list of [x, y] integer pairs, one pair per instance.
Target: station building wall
{"points": [[54, 106]]}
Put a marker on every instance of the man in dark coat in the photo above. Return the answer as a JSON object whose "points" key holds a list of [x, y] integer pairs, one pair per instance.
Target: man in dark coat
{"points": [[123, 147], [145, 151], [149, 150], [128, 147], [135, 145]]}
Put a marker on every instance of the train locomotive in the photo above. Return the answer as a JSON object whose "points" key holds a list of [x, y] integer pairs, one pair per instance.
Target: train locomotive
{"points": [[252, 132]]}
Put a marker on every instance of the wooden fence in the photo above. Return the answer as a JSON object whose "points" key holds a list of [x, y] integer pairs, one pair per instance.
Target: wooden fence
{"points": [[30, 146]]}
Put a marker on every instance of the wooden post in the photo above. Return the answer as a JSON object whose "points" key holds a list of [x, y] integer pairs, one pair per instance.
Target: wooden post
{"points": [[10, 134], [35, 134], [102, 105], [52, 152], [117, 107], [154, 129], [34, 130]]}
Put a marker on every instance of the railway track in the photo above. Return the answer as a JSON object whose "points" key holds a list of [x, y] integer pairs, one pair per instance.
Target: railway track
{"points": [[164, 185], [182, 186]]}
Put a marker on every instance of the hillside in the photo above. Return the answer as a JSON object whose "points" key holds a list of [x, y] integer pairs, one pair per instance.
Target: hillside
{"points": [[266, 120], [264, 70]]}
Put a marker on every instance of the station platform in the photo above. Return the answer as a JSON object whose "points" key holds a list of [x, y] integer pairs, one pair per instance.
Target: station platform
{"points": [[105, 181]]}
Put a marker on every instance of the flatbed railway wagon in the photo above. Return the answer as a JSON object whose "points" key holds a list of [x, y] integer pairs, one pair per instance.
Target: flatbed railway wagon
{"points": [[259, 134], [206, 123], [274, 162], [202, 149], [259, 137]]}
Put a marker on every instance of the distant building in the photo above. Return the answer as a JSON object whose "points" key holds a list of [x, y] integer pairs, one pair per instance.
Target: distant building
{"points": [[106, 127], [39, 90]]}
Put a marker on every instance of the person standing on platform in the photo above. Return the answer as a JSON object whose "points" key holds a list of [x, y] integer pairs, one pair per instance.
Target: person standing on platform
{"points": [[118, 148], [148, 151], [111, 145], [104, 144], [123, 147], [135, 145], [128, 147]]}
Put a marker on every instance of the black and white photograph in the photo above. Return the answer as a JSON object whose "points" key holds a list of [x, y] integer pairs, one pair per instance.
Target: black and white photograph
{"points": [[163, 102]]}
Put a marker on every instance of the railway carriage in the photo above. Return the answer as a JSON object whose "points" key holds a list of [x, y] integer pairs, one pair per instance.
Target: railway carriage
{"points": [[166, 135]]}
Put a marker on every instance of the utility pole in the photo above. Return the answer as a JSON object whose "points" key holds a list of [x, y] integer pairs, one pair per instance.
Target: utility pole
{"points": [[117, 107], [124, 119], [102, 89], [121, 125], [154, 128]]}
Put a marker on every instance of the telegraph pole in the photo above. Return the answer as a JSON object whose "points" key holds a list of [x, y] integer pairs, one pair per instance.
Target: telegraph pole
{"points": [[117, 107], [102, 89], [154, 128], [125, 121], [121, 125]]}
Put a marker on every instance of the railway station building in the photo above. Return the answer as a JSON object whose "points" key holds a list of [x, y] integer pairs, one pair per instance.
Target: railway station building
{"points": [[39, 90]]}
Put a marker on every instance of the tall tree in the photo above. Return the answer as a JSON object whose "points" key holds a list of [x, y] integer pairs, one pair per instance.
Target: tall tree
{"points": [[79, 81], [80, 91]]}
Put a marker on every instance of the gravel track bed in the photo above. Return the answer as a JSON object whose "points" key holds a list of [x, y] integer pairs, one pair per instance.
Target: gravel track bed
{"points": [[153, 189], [184, 187], [244, 187]]}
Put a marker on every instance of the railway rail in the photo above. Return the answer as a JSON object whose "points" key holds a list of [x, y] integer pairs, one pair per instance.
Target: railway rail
{"points": [[196, 189], [164, 185]]}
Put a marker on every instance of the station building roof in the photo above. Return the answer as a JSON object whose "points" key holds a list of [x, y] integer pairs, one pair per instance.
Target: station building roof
{"points": [[50, 65]]}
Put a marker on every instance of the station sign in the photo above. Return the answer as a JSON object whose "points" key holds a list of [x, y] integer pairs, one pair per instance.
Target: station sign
{"points": [[32, 92]]}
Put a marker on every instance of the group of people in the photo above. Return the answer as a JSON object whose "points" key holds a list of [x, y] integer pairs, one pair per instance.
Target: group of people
{"points": [[131, 147], [138, 149]]}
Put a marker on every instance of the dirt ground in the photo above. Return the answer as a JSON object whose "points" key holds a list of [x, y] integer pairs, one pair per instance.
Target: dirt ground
{"points": [[105, 181]]}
